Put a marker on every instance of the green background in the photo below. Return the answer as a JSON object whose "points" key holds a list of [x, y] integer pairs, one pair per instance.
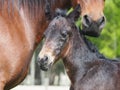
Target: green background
{"points": [[109, 41]]}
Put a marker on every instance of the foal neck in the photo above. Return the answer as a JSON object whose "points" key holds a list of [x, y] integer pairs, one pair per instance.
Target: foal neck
{"points": [[78, 47], [79, 58]]}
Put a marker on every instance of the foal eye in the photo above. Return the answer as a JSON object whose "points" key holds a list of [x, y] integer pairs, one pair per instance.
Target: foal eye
{"points": [[64, 33]]}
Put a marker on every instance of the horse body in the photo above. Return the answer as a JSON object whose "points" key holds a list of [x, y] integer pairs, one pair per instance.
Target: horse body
{"points": [[88, 72], [17, 45], [21, 30], [86, 69]]}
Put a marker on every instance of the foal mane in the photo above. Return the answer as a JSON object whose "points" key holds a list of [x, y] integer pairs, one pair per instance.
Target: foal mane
{"points": [[91, 46]]}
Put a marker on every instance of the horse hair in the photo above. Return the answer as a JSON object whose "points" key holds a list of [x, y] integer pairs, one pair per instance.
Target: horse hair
{"points": [[91, 46], [34, 7]]}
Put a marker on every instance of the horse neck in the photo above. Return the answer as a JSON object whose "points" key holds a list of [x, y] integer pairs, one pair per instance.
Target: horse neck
{"points": [[78, 57], [14, 17], [33, 17], [37, 18], [78, 47], [29, 17]]}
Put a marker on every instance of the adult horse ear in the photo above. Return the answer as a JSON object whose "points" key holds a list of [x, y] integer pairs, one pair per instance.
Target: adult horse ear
{"points": [[74, 15], [48, 12], [50, 15]]}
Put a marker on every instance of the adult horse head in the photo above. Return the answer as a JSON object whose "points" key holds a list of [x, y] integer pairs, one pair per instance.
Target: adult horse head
{"points": [[93, 19]]}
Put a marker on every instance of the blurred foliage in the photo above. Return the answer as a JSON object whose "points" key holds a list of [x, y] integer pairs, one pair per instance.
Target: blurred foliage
{"points": [[109, 41]]}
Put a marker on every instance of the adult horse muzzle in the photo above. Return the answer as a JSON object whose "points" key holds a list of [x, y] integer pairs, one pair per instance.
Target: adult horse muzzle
{"points": [[93, 28]]}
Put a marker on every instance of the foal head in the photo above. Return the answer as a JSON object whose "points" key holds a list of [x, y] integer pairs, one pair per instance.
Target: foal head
{"points": [[57, 37], [93, 18]]}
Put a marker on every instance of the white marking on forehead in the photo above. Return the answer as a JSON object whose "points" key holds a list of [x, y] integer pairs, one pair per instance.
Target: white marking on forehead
{"points": [[28, 29]]}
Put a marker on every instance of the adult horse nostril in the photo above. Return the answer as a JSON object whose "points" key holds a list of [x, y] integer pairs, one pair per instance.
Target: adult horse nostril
{"points": [[87, 21], [101, 20]]}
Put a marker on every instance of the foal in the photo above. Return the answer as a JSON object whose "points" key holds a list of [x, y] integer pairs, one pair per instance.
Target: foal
{"points": [[85, 69]]}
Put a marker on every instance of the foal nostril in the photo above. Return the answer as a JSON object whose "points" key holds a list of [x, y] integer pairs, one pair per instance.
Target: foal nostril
{"points": [[45, 58], [42, 60], [87, 21]]}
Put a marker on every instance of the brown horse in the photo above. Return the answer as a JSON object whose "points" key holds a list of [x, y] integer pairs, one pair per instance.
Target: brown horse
{"points": [[86, 70], [22, 23]]}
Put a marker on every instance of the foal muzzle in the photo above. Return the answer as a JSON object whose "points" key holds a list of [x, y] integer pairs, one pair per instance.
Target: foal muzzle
{"points": [[45, 62]]}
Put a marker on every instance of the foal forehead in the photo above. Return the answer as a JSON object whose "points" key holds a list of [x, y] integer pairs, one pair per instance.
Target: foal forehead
{"points": [[59, 21]]}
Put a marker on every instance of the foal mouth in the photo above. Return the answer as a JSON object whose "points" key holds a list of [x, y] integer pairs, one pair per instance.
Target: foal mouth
{"points": [[45, 67], [44, 63]]}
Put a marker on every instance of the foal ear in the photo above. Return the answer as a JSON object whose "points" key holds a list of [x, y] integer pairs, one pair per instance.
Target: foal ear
{"points": [[60, 12], [74, 15]]}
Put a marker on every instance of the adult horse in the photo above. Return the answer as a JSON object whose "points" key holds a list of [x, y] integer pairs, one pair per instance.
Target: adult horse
{"points": [[86, 70], [22, 23]]}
